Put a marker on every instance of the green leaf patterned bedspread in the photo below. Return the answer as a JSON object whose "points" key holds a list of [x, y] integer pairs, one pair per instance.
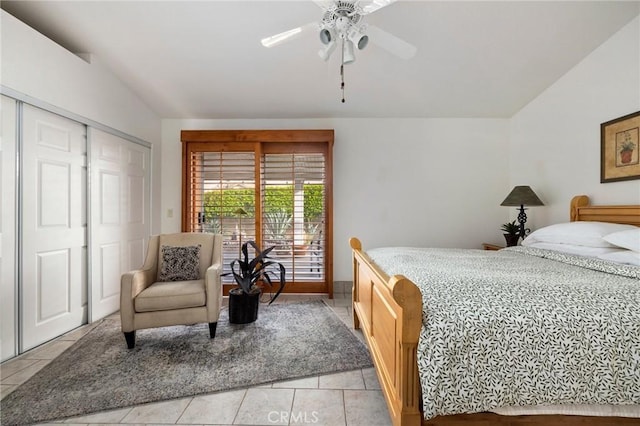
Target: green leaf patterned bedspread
{"points": [[521, 326]]}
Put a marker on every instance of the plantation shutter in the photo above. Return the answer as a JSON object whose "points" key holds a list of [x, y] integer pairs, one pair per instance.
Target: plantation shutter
{"points": [[223, 200], [293, 206], [270, 186]]}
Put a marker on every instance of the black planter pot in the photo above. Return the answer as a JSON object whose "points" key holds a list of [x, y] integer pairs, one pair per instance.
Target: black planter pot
{"points": [[243, 308], [511, 239]]}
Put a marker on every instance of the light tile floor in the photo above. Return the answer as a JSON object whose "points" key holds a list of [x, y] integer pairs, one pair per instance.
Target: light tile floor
{"points": [[352, 398]]}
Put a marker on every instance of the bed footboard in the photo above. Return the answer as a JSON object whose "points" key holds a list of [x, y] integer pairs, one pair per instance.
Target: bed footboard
{"points": [[388, 310]]}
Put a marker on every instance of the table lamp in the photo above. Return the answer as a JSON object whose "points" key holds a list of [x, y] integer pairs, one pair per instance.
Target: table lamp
{"points": [[522, 196]]}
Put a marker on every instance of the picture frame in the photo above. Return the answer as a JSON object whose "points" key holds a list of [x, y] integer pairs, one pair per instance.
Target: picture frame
{"points": [[620, 149]]}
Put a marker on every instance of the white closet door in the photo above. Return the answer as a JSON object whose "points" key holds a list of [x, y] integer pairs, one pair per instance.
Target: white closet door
{"points": [[8, 337], [120, 203], [54, 273]]}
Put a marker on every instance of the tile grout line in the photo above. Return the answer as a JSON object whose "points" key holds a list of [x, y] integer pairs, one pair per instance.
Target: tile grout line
{"points": [[183, 411]]}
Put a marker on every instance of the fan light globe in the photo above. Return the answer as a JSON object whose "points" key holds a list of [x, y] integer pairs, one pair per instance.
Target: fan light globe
{"points": [[349, 56], [325, 36], [326, 52], [362, 42]]}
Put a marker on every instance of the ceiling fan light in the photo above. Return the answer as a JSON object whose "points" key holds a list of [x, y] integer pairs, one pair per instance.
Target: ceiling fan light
{"points": [[362, 42], [326, 52], [325, 36], [348, 55], [358, 37]]}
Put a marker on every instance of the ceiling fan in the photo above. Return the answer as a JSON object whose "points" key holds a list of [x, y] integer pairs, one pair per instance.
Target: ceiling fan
{"points": [[342, 22]]}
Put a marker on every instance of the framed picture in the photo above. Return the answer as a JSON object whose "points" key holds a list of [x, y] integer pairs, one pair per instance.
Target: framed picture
{"points": [[620, 149]]}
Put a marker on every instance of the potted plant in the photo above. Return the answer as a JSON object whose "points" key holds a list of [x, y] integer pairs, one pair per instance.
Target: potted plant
{"points": [[277, 226], [511, 233], [251, 275], [626, 151]]}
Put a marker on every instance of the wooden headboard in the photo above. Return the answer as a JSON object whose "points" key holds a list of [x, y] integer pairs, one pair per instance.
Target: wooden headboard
{"points": [[581, 210]]}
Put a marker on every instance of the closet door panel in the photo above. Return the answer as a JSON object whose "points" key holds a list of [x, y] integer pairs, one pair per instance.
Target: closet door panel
{"points": [[119, 209], [106, 212], [8, 310], [53, 226], [137, 225]]}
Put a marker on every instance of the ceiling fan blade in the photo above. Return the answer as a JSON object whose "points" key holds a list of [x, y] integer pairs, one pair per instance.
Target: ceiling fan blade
{"points": [[376, 5], [391, 43], [323, 4], [289, 35]]}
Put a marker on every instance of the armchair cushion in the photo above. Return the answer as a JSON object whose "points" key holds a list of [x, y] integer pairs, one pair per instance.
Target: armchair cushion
{"points": [[180, 263], [164, 296]]}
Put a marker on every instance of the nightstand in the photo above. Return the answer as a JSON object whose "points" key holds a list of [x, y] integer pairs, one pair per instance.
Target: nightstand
{"points": [[488, 246]]}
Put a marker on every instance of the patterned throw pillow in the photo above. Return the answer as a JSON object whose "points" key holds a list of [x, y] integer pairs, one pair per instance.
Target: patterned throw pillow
{"points": [[180, 263]]}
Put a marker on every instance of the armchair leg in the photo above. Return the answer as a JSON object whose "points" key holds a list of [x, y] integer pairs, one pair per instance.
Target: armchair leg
{"points": [[212, 329], [130, 337]]}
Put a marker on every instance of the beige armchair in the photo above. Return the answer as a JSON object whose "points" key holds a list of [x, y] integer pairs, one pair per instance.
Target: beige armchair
{"points": [[179, 283]]}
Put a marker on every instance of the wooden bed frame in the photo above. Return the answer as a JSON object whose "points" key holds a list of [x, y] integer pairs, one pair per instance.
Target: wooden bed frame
{"points": [[388, 310]]}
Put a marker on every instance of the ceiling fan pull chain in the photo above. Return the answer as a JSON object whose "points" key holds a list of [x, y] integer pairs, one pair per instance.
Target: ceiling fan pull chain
{"points": [[342, 84], [342, 72]]}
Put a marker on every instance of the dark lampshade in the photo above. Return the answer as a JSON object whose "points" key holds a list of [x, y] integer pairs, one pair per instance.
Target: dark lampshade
{"points": [[522, 196]]}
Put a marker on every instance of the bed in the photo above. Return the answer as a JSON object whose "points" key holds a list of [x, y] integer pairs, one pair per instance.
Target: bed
{"points": [[388, 309]]}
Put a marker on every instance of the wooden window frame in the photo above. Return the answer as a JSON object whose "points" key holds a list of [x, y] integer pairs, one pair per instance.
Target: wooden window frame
{"points": [[261, 142]]}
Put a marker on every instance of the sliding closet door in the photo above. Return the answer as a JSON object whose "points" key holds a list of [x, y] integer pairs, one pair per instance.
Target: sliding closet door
{"points": [[120, 203], [54, 226], [8, 336]]}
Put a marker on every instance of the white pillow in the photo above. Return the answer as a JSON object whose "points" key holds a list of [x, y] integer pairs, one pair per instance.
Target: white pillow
{"points": [[586, 233], [627, 257], [629, 239], [574, 249]]}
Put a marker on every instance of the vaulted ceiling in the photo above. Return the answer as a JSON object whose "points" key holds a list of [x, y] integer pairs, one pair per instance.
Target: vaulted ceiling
{"points": [[204, 59]]}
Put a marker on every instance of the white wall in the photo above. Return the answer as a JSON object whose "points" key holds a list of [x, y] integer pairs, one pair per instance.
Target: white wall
{"points": [[426, 182], [555, 140], [35, 66]]}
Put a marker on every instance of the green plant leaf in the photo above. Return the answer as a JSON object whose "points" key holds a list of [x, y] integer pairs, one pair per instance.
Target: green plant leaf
{"points": [[248, 272]]}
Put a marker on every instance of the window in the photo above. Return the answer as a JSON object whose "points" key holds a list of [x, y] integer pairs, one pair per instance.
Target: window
{"points": [[272, 187]]}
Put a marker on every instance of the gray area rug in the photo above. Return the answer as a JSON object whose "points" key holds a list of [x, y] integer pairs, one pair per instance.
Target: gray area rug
{"points": [[99, 373]]}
